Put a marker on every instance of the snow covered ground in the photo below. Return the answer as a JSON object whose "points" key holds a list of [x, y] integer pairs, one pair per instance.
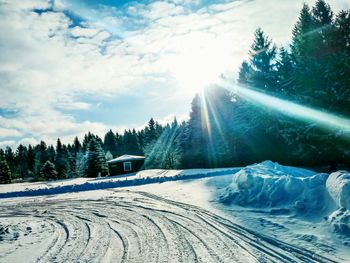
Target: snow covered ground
{"points": [[201, 219], [88, 184]]}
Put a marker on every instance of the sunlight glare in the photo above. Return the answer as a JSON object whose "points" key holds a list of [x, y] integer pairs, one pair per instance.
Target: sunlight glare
{"points": [[325, 119], [198, 61]]}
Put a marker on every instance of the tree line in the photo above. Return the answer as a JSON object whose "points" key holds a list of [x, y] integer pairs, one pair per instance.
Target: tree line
{"points": [[224, 128]]}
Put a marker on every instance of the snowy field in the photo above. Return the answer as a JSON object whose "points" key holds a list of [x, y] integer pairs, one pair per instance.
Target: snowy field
{"points": [[261, 213]]}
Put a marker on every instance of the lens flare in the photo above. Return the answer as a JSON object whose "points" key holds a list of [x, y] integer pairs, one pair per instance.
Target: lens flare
{"points": [[327, 120]]}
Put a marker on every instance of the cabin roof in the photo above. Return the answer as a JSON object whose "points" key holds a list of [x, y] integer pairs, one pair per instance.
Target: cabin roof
{"points": [[126, 157]]}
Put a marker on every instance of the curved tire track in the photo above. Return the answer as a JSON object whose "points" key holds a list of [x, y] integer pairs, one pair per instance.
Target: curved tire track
{"points": [[130, 226]]}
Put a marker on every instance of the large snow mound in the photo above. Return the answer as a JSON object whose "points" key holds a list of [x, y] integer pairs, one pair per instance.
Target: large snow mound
{"points": [[338, 185], [269, 184]]}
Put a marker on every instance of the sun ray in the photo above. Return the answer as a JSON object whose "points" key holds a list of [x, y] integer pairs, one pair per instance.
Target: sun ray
{"points": [[325, 119]]}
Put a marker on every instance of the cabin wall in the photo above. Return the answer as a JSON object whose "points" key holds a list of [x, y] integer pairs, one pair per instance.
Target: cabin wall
{"points": [[118, 168]]}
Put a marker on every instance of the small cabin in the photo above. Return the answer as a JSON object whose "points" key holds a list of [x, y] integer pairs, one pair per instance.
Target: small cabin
{"points": [[125, 164]]}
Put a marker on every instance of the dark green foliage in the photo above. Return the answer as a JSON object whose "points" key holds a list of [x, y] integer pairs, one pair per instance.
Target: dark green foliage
{"points": [[315, 73], [130, 143], [62, 160], [110, 143], [21, 161], [262, 67], [166, 151], [244, 73], [76, 145], [31, 158], [96, 161], [48, 171], [285, 73], [5, 173]]}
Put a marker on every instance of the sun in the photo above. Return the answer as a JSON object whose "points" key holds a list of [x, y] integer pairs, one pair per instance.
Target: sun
{"points": [[197, 62]]}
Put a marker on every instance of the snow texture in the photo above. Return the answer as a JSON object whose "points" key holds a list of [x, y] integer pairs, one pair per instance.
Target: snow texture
{"points": [[140, 178], [269, 184], [130, 226], [338, 185]]}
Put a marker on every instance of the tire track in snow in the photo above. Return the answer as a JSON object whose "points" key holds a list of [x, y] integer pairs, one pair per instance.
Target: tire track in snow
{"points": [[130, 226]]}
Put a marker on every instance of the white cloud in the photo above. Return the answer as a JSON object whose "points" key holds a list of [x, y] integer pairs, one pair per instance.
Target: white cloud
{"points": [[47, 62], [9, 132]]}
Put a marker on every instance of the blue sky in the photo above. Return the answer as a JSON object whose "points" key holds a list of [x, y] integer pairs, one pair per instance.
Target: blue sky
{"points": [[70, 66]]}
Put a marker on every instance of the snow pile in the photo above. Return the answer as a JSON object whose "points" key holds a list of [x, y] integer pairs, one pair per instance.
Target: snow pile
{"points": [[338, 185], [340, 221], [269, 184]]}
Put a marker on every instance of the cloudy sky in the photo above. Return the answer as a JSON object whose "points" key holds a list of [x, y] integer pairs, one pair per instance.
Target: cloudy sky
{"points": [[69, 66]]}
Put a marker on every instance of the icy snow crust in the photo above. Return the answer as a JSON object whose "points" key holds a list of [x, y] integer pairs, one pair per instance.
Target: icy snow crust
{"points": [[294, 191], [133, 226], [115, 224], [269, 184], [338, 185], [88, 184]]}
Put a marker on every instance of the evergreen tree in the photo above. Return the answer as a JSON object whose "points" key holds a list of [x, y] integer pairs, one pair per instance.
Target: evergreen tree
{"points": [[22, 161], [51, 153], [165, 152], [151, 131], [48, 171], [263, 54], [62, 160], [76, 145], [339, 95], [119, 144], [244, 73], [194, 152], [41, 156], [322, 14], [31, 159], [96, 161], [5, 173], [10, 159], [110, 143], [302, 35], [285, 73]]}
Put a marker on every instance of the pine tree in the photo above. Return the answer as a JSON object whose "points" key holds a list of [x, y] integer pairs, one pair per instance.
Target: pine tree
{"points": [[151, 132], [302, 32], [194, 150], [76, 145], [31, 159], [5, 173], [22, 161], [48, 171], [244, 73], [285, 73], [41, 156], [110, 143], [96, 161], [303, 54], [262, 62], [62, 160], [51, 153], [340, 68], [10, 159], [322, 14]]}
